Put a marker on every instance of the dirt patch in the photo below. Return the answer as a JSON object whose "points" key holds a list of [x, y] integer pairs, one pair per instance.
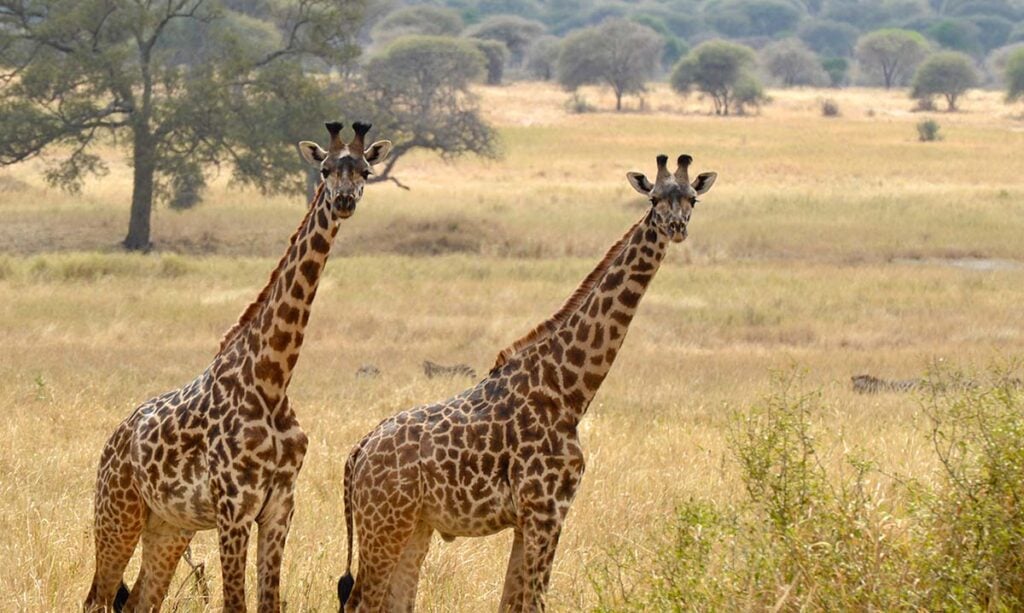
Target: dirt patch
{"points": [[439, 236]]}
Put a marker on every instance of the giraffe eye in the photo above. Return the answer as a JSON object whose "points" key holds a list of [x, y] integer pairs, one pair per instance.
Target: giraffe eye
{"points": [[324, 172], [694, 203], [366, 174]]}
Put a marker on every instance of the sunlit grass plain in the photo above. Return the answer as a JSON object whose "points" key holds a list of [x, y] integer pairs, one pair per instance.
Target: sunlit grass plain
{"points": [[829, 246]]}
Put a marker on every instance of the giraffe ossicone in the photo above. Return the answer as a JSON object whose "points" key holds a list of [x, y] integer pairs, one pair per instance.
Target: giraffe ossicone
{"points": [[223, 451], [505, 453]]}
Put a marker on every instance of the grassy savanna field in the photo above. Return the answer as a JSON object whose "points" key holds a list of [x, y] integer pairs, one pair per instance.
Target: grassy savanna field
{"points": [[829, 247]]}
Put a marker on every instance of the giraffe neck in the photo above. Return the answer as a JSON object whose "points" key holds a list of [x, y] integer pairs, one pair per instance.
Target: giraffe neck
{"points": [[586, 344], [269, 336]]}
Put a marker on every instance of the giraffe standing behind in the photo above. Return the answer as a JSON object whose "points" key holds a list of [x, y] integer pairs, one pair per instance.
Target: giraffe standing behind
{"points": [[505, 453], [224, 450]]}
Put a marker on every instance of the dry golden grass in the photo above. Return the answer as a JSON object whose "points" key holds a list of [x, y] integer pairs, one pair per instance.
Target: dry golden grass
{"points": [[835, 246]]}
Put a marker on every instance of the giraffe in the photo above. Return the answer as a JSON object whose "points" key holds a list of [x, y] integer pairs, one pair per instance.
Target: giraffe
{"points": [[505, 453], [224, 450]]}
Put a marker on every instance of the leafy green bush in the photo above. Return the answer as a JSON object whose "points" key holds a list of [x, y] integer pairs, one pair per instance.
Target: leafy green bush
{"points": [[928, 130], [836, 534]]}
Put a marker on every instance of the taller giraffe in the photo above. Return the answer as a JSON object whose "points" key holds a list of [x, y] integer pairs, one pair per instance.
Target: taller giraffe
{"points": [[505, 453], [224, 450]]}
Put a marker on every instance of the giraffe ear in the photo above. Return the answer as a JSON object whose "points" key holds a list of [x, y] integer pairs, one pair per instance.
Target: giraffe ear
{"points": [[704, 181], [377, 152], [311, 152], [640, 183]]}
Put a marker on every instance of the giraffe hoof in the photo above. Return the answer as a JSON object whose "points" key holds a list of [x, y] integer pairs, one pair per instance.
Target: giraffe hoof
{"points": [[121, 598]]}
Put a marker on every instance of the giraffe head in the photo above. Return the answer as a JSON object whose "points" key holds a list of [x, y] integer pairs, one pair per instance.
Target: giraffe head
{"points": [[345, 168], [672, 195]]}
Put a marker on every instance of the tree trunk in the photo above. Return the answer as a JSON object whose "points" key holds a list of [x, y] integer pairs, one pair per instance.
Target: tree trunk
{"points": [[618, 101], [144, 162]]}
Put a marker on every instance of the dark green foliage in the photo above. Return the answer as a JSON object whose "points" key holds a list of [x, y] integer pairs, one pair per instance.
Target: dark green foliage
{"points": [[739, 18], [829, 38], [496, 54], [417, 92], [836, 69], [948, 74], [891, 55], [955, 34], [674, 47], [619, 53], [720, 70], [180, 83], [516, 33], [928, 131], [1015, 75], [993, 32]]}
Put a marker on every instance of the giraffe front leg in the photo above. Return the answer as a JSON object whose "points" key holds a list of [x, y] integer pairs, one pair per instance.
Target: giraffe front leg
{"points": [[234, 539], [514, 576], [540, 541], [274, 523]]}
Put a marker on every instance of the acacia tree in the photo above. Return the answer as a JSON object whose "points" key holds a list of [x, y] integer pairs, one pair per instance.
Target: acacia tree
{"points": [[76, 73], [721, 70], [893, 54], [949, 74], [516, 33], [1015, 75], [418, 93], [619, 53], [792, 63]]}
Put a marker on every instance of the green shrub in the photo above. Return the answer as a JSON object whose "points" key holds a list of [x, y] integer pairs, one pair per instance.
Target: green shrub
{"points": [[577, 103], [972, 542], [848, 537], [928, 131]]}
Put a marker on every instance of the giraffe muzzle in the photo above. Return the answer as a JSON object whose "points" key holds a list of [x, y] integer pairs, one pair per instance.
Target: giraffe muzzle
{"points": [[678, 232], [345, 206]]}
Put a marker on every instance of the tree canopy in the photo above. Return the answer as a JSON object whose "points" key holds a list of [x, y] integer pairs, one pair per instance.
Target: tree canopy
{"points": [[75, 73], [947, 73], [1015, 75], [417, 91], [891, 54], [792, 63], [720, 69], [619, 53]]}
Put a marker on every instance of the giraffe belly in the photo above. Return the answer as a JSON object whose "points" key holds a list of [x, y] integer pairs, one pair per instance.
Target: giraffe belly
{"points": [[182, 500], [471, 504], [172, 469]]}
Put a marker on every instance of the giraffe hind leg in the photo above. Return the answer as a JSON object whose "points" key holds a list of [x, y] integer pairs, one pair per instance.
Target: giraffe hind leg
{"points": [[118, 526], [406, 576]]}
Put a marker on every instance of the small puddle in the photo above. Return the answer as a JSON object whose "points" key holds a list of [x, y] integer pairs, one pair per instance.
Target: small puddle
{"points": [[981, 264]]}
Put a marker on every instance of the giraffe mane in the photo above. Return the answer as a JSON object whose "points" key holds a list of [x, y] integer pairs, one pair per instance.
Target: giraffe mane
{"points": [[249, 314], [546, 328]]}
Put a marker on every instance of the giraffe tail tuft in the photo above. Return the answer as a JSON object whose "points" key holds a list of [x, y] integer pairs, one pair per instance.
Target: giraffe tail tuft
{"points": [[121, 598], [345, 585]]}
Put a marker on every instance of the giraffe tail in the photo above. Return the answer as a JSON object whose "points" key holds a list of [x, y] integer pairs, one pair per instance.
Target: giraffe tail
{"points": [[121, 598], [347, 582]]}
